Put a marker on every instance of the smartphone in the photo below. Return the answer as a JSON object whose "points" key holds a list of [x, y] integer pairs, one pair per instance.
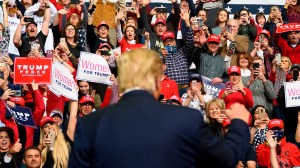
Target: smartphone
{"points": [[295, 75], [278, 57], [51, 135], [92, 9], [130, 9], [161, 10], [28, 19], [49, 54], [2, 75], [261, 114], [260, 38], [35, 46], [194, 83], [74, 2], [228, 85], [12, 10], [278, 134], [255, 65], [17, 93], [170, 49], [228, 29], [106, 53], [161, 97], [63, 40], [139, 31]]}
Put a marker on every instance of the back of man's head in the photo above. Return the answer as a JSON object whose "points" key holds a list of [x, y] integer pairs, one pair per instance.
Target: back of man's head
{"points": [[140, 68]]}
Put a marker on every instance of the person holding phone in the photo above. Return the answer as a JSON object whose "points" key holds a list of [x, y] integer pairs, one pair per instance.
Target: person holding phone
{"points": [[262, 89], [54, 145], [276, 150], [130, 40], [259, 126], [235, 91], [195, 96]]}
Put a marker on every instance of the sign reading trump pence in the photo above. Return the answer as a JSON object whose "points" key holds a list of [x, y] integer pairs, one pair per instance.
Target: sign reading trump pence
{"points": [[29, 69], [292, 94], [63, 82], [93, 68]]}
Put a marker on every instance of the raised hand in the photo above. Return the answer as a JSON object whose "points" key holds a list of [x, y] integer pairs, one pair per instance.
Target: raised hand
{"points": [[16, 147]]}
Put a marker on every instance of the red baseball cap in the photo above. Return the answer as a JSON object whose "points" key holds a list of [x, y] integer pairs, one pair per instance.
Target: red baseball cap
{"points": [[160, 21], [46, 119], [104, 45], [103, 24], [234, 69], [18, 100], [85, 99], [167, 35], [213, 38], [266, 32], [275, 123], [176, 99], [226, 122]]}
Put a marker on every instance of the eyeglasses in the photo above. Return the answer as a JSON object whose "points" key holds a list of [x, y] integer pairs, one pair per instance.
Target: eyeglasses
{"points": [[13, 6], [70, 29]]}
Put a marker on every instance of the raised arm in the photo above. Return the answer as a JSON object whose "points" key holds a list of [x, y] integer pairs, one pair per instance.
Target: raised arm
{"points": [[72, 119], [18, 33], [46, 21], [5, 15], [38, 103]]}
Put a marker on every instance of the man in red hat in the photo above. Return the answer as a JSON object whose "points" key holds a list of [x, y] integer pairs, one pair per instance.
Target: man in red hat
{"points": [[210, 63], [86, 105], [276, 150]]}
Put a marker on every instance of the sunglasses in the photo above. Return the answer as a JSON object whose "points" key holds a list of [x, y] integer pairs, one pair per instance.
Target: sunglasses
{"points": [[13, 6]]}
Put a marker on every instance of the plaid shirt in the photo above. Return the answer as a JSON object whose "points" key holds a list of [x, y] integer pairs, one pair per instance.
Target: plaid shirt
{"points": [[5, 39], [177, 63]]}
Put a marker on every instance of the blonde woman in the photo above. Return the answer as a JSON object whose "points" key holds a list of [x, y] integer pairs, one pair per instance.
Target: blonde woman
{"points": [[214, 116], [55, 151]]}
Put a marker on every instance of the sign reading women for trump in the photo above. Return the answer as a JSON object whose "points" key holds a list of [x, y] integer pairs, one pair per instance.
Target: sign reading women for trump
{"points": [[93, 68], [63, 82], [29, 69], [292, 94], [211, 89]]}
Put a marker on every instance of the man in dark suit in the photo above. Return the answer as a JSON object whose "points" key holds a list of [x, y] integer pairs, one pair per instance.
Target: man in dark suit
{"points": [[140, 132]]}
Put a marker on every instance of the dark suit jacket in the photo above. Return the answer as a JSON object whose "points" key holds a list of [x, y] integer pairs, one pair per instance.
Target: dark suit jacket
{"points": [[139, 132]]}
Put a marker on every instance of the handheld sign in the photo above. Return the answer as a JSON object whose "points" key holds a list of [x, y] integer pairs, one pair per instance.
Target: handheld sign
{"points": [[93, 68], [292, 94], [22, 115], [211, 89], [63, 82], [288, 27], [28, 69]]}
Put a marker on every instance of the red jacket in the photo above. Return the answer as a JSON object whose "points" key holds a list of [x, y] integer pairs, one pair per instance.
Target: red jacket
{"points": [[235, 97], [125, 46], [39, 109], [287, 50], [289, 155]]}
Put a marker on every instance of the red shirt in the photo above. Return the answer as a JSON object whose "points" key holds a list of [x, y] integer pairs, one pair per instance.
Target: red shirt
{"points": [[238, 97], [168, 88], [125, 46]]}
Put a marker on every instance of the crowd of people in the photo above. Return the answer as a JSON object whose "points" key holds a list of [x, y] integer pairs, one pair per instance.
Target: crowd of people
{"points": [[193, 40]]}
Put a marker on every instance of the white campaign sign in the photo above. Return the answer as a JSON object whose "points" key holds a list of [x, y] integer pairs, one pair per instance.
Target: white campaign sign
{"points": [[62, 82], [93, 68], [292, 94]]}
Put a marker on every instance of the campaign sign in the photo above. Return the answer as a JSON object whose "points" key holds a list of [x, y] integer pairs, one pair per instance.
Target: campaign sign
{"points": [[29, 69], [292, 94], [288, 27], [211, 89], [93, 68], [63, 82], [22, 115]]}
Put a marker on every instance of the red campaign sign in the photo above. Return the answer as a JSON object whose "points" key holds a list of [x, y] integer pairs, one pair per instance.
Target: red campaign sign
{"points": [[29, 69], [288, 27]]}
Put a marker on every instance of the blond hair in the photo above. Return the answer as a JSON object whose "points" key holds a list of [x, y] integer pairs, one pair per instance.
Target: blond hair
{"points": [[61, 149], [139, 68], [217, 102]]}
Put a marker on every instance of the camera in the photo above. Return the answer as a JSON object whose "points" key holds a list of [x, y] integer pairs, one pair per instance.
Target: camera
{"points": [[106, 53], [130, 9], [28, 19], [278, 134], [169, 101], [199, 22]]}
